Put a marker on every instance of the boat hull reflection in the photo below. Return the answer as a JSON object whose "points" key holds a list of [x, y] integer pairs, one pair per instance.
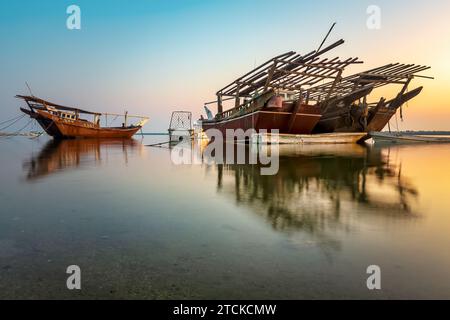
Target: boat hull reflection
{"points": [[321, 187], [61, 155]]}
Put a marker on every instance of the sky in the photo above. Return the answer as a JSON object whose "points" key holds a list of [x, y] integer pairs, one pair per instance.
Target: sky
{"points": [[152, 57]]}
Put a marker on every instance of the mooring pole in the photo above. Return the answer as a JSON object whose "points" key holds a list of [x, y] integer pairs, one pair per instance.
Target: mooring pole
{"points": [[219, 104]]}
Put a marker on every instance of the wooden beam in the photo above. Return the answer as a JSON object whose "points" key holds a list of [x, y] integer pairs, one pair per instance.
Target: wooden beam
{"points": [[294, 113], [219, 104], [269, 77], [237, 101], [336, 80]]}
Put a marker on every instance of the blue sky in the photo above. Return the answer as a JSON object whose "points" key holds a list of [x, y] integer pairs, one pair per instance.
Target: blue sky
{"points": [[152, 57]]}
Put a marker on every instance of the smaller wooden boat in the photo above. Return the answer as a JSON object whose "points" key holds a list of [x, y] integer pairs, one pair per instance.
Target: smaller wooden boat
{"points": [[63, 122], [387, 137]]}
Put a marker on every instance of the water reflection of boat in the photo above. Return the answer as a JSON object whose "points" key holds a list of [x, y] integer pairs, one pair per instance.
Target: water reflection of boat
{"points": [[59, 155], [351, 150], [316, 189]]}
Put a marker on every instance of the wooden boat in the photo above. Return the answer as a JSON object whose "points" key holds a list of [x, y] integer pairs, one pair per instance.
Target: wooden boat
{"points": [[336, 114], [355, 117], [284, 94], [388, 137], [380, 114], [272, 96], [63, 122], [287, 117], [360, 115]]}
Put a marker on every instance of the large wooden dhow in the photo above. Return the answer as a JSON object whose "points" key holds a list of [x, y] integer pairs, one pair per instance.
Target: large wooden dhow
{"points": [[306, 94], [274, 96], [63, 122]]}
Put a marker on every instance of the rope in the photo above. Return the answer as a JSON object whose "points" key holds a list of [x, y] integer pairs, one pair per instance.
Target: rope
{"points": [[158, 144], [11, 119], [401, 109], [396, 121], [28, 123], [45, 130], [12, 123], [34, 128], [407, 104]]}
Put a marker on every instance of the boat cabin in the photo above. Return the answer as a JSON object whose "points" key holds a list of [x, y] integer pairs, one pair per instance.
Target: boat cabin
{"points": [[63, 114]]}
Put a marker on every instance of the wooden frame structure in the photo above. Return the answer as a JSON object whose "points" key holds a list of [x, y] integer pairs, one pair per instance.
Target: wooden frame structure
{"points": [[289, 71], [360, 114], [394, 73], [302, 94]]}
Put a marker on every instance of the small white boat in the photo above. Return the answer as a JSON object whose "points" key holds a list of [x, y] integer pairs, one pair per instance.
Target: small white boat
{"points": [[319, 138], [31, 134], [388, 137]]}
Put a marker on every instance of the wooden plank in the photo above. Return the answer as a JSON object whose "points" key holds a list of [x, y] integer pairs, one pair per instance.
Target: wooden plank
{"points": [[294, 113], [269, 77]]}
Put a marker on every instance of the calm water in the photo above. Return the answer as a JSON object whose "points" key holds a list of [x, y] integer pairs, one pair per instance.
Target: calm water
{"points": [[141, 227]]}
